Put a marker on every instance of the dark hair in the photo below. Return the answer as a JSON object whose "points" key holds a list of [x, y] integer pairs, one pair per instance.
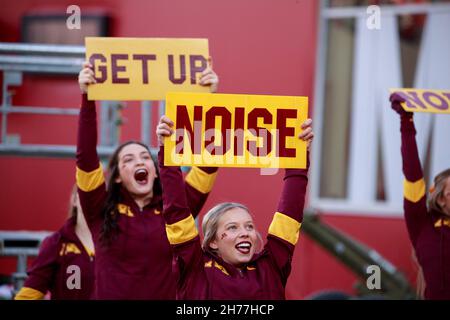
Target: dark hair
{"points": [[110, 212]]}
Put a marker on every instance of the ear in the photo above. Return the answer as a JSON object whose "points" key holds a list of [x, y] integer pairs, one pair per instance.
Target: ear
{"points": [[213, 245], [441, 201], [118, 180]]}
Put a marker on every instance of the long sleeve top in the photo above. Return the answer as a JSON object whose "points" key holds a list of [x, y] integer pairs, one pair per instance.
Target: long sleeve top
{"points": [[64, 267], [429, 231], [204, 275], [138, 262]]}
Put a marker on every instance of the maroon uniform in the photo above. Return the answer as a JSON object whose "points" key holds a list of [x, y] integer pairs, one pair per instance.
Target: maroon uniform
{"points": [[429, 231], [137, 263], [204, 275], [62, 257]]}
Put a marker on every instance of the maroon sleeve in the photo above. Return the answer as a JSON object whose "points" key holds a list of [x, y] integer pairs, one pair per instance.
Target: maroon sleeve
{"points": [[284, 230], [87, 157], [180, 226], [90, 178], [292, 200], [195, 198], [42, 274], [415, 212], [175, 203]]}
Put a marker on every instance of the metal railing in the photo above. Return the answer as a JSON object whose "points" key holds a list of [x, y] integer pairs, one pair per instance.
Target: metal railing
{"points": [[20, 244], [54, 60], [17, 59]]}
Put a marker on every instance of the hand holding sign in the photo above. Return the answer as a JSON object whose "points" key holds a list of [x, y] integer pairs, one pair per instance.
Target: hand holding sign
{"points": [[232, 130], [307, 134], [86, 77], [147, 68], [396, 105], [420, 100], [165, 129], [209, 77]]}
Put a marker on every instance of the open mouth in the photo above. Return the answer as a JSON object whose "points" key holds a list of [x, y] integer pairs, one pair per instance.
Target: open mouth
{"points": [[141, 176], [244, 247]]}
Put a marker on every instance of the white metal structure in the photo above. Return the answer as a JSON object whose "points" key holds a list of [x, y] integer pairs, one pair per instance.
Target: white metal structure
{"points": [[376, 68]]}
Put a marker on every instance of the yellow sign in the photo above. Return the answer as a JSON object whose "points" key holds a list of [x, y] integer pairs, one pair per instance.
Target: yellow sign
{"points": [[235, 130], [422, 100], [145, 69]]}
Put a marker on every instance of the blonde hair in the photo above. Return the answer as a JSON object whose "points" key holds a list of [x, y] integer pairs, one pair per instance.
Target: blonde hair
{"points": [[210, 222], [73, 210], [420, 279], [438, 190]]}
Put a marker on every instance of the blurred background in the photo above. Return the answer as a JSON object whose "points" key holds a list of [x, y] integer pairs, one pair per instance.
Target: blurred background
{"points": [[343, 55]]}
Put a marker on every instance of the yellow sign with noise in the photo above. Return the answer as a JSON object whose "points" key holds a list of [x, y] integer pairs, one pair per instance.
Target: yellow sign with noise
{"points": [[235, 130]]}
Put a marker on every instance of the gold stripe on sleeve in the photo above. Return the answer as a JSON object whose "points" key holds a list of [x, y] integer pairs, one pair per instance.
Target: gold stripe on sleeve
{"points": [[414, 191], [29, 294], [88, 181], [201, 180], [181, 231], [285, 227]]}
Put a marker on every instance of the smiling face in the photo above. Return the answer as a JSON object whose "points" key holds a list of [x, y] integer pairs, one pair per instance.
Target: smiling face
{"points": [[137, 170], [236, 237]]}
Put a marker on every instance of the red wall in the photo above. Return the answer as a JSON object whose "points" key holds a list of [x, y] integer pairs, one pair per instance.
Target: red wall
{"points": [[258, 47]]}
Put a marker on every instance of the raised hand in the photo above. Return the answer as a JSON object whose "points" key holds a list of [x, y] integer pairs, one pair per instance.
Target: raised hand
{"points": [[396, 101], [209, 77], [307, 134], [164, 129], [86, 77]]}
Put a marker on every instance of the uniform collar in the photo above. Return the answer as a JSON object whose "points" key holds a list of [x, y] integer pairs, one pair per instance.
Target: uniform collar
{"points": [[125, 197]]}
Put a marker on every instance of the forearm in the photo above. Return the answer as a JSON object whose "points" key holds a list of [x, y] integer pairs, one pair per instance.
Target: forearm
{"points": [[292, 199], [87, 157], [175, 204], [414, 190], [287, 220], [180, 224], [285, 227], [89, 172], [410, 157], [199, 183]]}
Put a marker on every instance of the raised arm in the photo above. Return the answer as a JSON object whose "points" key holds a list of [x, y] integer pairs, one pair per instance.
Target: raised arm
{"points": [[200, 180], [199, 183], [89, 173], [180, 224], [285, 227], [414, 190]]}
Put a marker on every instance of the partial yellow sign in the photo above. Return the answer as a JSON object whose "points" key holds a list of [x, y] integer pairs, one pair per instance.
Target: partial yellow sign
{"points": [[423, 100], [236, 130], [145, 68]]}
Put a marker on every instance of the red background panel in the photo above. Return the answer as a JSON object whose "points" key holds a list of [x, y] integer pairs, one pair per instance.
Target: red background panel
{"points": [[258, 47]]}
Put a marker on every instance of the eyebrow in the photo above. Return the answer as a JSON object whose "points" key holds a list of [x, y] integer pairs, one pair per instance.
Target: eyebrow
{"points": [[231, 223], [132, 155]]}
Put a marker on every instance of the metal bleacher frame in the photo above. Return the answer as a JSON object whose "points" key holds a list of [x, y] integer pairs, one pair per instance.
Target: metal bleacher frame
{"points": [[21, 244], [17, 59]]}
